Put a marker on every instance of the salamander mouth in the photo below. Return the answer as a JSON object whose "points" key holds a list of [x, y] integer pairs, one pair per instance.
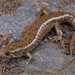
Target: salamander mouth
{"points": [[4, 56]]}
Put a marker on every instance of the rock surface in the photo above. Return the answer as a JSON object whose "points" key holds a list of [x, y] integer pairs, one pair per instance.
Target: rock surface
{"points": [[46, 56]]}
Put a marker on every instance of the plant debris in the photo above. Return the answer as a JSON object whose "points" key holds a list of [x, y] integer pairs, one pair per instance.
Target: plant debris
{"points": [[66, 38], [9, 6]]}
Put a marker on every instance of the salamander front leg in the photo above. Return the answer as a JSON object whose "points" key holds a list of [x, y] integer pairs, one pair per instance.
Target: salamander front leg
{"points": [[42, 11], [30, 58]]}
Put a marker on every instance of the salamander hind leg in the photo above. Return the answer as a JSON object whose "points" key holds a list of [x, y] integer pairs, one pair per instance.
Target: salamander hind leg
{"points": [[58, 33], [29, 60]]}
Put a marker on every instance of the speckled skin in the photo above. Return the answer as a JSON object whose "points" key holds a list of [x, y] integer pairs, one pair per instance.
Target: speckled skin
{"points": [[36, 33]]}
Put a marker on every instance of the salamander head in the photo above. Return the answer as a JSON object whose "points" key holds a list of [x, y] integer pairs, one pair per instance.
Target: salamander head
{"points": [[9, 51], [7, 54], [4, 54]]}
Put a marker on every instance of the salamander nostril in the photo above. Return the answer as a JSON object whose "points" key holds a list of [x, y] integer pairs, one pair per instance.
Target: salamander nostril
{"points": [[7, 53]]}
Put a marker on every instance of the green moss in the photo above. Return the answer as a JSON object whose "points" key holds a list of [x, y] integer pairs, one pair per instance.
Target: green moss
{"points": [[9, 6]]}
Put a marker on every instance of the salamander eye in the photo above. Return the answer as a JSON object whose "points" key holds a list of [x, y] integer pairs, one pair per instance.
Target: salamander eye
{"points": [[7, 53]]}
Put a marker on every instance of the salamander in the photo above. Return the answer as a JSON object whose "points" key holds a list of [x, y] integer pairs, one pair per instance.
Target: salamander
{"points": [[36, 33]]}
